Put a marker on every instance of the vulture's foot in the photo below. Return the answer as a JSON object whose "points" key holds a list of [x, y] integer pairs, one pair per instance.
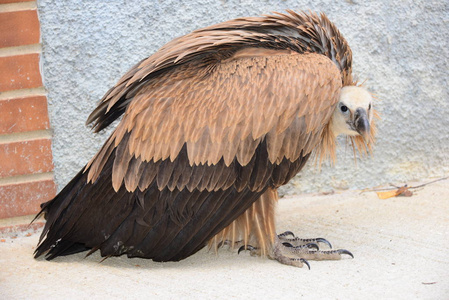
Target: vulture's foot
{"points": [[296, 252]]}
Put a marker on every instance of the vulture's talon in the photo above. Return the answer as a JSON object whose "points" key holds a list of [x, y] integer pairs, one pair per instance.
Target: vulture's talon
{"points": [[287, 244], [303, 261], [324, 241], [247, 247], [344, 251]]}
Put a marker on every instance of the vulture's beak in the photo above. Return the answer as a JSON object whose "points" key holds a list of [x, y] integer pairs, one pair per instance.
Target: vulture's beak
{"points": [[361, 123]]}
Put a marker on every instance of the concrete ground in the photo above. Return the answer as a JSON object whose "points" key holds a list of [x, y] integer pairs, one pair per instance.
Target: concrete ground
{"points": [[401, 249]]}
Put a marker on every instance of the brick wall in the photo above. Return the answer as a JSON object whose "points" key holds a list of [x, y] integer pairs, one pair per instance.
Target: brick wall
{"points": [[26, 167]]}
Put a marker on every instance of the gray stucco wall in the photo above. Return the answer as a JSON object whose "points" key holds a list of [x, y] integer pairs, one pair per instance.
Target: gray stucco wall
{"points": [[399, 47]]}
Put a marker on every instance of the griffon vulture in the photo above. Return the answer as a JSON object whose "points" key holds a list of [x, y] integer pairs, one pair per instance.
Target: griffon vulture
{"points": [[213, 124]]}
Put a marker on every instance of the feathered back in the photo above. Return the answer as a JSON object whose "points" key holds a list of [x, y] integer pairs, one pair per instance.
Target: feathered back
{"points": [[302, 33]]}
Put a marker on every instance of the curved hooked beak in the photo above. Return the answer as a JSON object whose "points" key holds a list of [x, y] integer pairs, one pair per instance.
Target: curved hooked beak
{"points": [[361, 123]]}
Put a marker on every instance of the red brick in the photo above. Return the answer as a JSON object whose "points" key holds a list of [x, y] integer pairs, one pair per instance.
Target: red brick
{"points": [[19, 28], [23, 114], [26, 157], [25, 198], [19, 72]]}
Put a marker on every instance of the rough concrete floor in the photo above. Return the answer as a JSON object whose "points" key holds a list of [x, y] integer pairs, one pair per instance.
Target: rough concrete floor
{"points": [[401, 249]]}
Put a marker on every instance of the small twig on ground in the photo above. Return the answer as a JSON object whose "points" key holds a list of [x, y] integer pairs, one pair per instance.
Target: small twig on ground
{"points": [[397, 187], [405, 190], [421, 185]]}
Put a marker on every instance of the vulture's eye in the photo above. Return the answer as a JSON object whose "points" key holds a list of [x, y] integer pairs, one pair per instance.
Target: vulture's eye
{"points": [[369, 106], [344, 108]]}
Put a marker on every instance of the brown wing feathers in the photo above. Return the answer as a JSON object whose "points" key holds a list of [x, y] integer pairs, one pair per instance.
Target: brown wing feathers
{"points": [[213, 121], [246, 119]]}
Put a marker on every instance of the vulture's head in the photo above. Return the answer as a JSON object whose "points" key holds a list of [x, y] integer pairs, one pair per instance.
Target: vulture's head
{"points": [[354, 113]]}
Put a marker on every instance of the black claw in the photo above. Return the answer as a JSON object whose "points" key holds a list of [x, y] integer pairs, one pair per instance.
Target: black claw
{"points": [[286, 233], [344, 251], [324, 241], [313, 245], [301, 260], [247, 247], [220, 244], [306, 262], [287, 245]]}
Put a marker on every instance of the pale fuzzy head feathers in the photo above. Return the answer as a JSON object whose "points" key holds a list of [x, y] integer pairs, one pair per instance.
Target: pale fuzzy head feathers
{"points": [[354, 113], [354, 116]]}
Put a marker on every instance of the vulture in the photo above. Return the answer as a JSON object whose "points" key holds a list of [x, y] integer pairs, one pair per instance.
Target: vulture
{"points": [[211, 126]]}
